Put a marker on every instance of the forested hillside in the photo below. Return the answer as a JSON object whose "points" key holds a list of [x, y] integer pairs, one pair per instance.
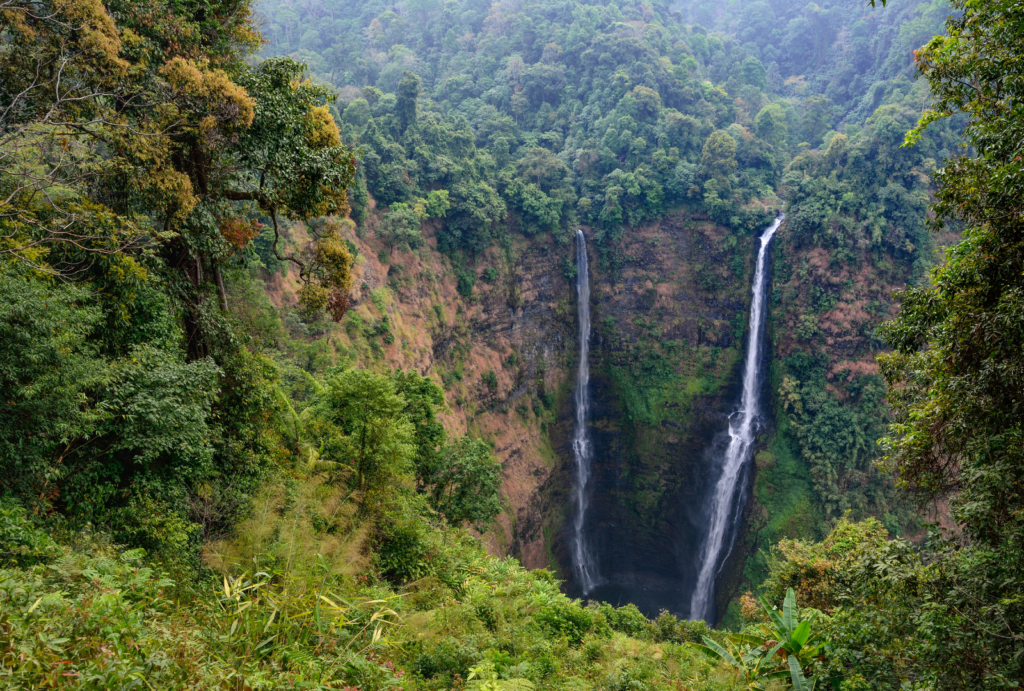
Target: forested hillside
{"points": [[491, 121], [287, 339], [559, 113], [844, 57]]}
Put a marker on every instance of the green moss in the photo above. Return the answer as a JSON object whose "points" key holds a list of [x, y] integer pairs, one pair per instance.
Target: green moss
{"points": [[783, 488], [656, 382], [547, 452], [731, 620], [548, 542]]}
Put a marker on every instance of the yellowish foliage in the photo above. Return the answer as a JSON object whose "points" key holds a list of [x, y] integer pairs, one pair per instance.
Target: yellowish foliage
{"points": [[174, 189], [307, 530], [333, 255], [313, 299], [230, 101], [98, 35], [14, 21], [323, 132]]}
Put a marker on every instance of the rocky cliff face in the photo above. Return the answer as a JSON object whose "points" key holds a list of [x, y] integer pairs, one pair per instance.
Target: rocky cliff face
{"points": [[669, 314], [502, 355], [667, 350]]}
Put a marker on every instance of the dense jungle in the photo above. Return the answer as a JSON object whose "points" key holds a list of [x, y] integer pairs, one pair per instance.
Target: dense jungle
{"points": [[381, 344]]}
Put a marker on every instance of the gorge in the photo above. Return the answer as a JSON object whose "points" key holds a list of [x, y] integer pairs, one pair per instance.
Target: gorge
{"points": [[493, 132], [653, 556], [510, 344]]}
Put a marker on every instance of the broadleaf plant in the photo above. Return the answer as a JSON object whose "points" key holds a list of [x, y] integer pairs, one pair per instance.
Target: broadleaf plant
{"points": [[781, 649]]}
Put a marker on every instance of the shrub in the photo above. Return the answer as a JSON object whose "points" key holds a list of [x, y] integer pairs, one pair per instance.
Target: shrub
{"points": [[628, 619], [465, 280], [567, 619], [21, 543], [445, 659], [668, 629]]}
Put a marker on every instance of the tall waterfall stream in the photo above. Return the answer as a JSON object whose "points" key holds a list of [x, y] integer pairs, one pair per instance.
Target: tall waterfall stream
{"points": [[584, 562], [724, 507]]}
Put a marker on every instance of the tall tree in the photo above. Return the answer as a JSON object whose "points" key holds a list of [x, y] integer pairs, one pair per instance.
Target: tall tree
{"points": [[718, 159], [145, 125], [956, 373], [140, 145], [466, 484], [360, 420], [408, 92]]}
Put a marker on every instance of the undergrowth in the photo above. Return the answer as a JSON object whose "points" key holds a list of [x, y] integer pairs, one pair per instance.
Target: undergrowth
{"points": [[297, 598]]}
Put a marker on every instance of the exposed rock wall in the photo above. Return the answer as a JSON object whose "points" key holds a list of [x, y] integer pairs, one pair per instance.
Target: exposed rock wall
{"points": [[667, 349], [518, 325], [669, 317]]}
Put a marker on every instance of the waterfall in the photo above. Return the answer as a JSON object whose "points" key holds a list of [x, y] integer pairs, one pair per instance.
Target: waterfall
{"points": [[723, 507], [584, 563]]}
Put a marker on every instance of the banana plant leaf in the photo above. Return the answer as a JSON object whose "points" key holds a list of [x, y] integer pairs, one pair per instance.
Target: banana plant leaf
{"points": [[746, 638], [789, 612], [720, 652], [796, 674], [800, 636]]}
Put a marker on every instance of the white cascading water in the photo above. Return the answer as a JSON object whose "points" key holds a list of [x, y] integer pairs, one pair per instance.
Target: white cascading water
{"points": [[583, 559], [742, 428]]}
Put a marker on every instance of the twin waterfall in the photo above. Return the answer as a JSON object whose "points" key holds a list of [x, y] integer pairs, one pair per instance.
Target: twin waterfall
{"points": [[723, 508], [583, 560]]}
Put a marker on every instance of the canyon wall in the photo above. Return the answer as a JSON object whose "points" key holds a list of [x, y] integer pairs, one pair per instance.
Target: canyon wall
{"points": [[669, 314], [667, 351]]}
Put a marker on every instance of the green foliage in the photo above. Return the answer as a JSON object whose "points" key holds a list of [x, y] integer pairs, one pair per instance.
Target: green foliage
{"points": [[119, 440], [405, 105], [465, 280], [718, 160], [437, 204], [568, 619], [150, 396], [406, 548], [153, 397], [400, 227], [465, 487], [285, 607], [890, 611], [956, 370], [100, 618], [535, 129], [835, 439], [360, 419], [667, 628], [131, 401], [854, 232], [772, 125], [628, 619], [819, 571], [781, 649], [797, 48], [424, 399], [21, 543]]}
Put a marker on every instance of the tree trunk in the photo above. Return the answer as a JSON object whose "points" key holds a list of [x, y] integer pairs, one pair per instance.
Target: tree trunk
{"points": [[221, 293]]}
